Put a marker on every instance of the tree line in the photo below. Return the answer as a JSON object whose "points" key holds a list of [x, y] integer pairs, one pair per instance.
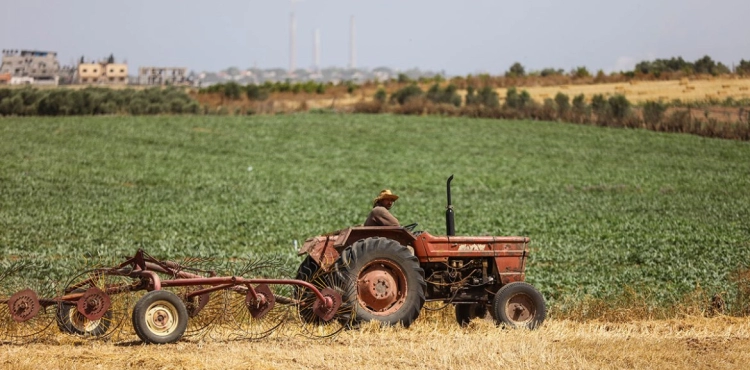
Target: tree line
{"points": [[94, 101], [612, 111]]}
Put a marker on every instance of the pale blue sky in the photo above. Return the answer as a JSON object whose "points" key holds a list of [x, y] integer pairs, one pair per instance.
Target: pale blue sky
{"points": [[457, 37]]}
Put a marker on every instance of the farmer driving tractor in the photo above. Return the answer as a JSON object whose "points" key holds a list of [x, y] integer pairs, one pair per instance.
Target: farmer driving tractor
{"points": [[380, 214]]}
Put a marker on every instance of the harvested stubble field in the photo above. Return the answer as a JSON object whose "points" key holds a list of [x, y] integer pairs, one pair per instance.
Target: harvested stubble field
{"points": [[718, 343], [686, 90], [627, 226]]}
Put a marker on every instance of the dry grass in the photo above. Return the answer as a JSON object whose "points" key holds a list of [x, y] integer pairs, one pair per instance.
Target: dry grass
{"points": [[685, 90], [434, 342]]}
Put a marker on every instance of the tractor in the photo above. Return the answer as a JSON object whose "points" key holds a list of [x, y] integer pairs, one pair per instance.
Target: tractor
{"points": [[393, 270]]}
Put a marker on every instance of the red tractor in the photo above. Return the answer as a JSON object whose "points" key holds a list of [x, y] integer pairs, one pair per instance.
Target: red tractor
{"points": [[393, 270]]}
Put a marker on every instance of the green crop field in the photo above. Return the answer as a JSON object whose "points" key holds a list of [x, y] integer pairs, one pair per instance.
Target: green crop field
{"points": [[606, 209]]}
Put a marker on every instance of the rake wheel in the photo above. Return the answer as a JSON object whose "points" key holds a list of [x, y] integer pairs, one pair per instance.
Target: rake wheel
{"points": [[253, 318], [96, 313], [204, 311], [315, 321], [23, 318]]}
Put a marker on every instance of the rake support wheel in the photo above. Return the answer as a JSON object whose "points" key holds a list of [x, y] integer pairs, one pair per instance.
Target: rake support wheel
{"points": [[160, 317]]}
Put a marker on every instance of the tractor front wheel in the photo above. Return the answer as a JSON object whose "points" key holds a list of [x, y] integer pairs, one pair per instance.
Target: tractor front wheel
{"points": [[519, 305], [388, 281], [160, 317]]}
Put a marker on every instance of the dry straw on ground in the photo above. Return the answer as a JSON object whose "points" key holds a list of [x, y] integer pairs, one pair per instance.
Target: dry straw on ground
{"points": [[434, 342]]}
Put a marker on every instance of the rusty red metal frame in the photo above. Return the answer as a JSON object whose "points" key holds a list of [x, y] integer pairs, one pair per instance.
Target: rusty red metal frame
{"points": [[145, 269]]}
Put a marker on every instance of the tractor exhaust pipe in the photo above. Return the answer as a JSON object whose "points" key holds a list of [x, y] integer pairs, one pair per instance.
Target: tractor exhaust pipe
{"points": [[449, 220]]}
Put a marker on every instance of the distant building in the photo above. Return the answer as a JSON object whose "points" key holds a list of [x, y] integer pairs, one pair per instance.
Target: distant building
{"points": [[21, 80], [40, 67], [5, 78], [163, 76], [103, 73], [67, 75]]}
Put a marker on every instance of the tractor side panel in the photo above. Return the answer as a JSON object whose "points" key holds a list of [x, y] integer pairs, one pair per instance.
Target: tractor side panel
{"points": [[440, 248], [508, 252], [511, 269]]}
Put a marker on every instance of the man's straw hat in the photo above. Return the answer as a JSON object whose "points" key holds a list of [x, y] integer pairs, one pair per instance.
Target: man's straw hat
{"points": [[385, 194]]}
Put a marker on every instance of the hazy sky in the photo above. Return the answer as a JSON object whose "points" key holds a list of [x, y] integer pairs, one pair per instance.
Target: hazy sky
{"points": [[456, 37]]}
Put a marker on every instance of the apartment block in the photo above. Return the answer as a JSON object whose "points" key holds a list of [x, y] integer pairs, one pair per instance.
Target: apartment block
{"points": [[163, 76], [38, 66], [103, 73]]}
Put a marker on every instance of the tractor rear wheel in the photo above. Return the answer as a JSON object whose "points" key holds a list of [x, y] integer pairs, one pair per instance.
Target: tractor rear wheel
{"points": [[467, 312], [388, 281], [160, 317], [519, 305]]}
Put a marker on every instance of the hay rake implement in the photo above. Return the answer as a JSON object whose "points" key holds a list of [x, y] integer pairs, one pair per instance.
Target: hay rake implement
{"points": [[168, 300]]}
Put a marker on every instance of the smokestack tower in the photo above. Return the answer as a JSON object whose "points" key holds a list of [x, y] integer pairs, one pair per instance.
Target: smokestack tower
{"points": [[292, 42], [352, 51], [316, 49]]}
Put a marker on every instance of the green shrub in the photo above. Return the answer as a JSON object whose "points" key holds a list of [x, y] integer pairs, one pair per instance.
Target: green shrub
{"points": [[256, 93], [232, 90], [551, 72], [579, 103], [743, 68], [407, 93], [516, 70], [191, 107], [443, 96], [653, 112], [562, 102], [619, 106], [516, 100], [137, 106], [548, 111], [12, 106], [599, 104], [54, 102], [350, 87], [486, 96], [580, 72], [154, 108], [380, 95]]}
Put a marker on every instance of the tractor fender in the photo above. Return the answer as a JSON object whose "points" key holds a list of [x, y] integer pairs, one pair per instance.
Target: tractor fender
{"points": [[326, 249]]}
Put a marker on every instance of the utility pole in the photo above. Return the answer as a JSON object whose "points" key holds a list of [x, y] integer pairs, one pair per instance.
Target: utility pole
{"points": [[292, 46], [352, 51], [316, 50]]}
